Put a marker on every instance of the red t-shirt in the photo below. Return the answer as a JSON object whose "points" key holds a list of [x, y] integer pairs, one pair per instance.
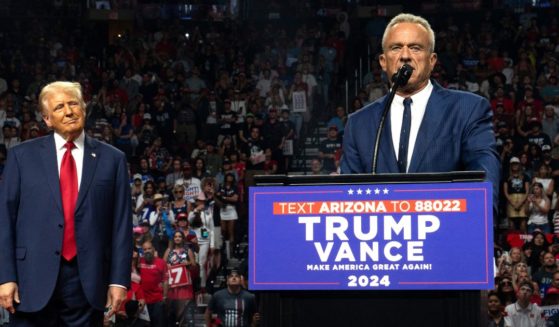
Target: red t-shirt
{"points": [[153, 275]]}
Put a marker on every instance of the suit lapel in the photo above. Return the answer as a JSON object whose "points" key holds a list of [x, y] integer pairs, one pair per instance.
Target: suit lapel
{"points": [[90, 159], [50, 165], [429, 128], [387, 147]]}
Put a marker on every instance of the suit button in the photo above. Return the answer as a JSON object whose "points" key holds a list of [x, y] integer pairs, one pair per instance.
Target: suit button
{"points": [[57, 252]]}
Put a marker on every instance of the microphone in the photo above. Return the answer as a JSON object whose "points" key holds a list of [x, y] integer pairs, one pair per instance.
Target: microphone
{"points": [[402, 76], [399, 79]]}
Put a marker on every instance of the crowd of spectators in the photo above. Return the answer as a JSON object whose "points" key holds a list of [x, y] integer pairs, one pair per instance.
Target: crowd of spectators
{"points": [[200, 109]]}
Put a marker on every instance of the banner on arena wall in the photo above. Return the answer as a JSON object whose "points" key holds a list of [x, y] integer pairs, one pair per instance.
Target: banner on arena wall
{"points": [[377, 236]]}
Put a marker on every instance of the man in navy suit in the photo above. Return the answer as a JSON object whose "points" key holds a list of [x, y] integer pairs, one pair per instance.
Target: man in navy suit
{"points": [[449, 131], [65, 221]]}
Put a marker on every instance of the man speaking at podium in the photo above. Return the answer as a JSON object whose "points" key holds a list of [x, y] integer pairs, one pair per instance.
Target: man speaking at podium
{"points": [[65, 221], [428, 128]]}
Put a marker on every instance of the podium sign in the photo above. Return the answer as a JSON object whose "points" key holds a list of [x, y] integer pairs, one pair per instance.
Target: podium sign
{"points": [[371, 237]]}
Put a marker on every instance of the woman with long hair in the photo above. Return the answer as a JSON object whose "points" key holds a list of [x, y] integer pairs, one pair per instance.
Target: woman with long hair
{"points": [[506, 291], [543, 176], [516, 188], [145, 204], [538, 208], [180, 262], [200, 170], [228, 198]]}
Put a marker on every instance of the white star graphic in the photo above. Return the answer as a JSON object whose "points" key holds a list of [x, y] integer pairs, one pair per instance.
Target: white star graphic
{"points": [[350, 192], [385, 191], [368, 191], [359, 191], [377, 191]]}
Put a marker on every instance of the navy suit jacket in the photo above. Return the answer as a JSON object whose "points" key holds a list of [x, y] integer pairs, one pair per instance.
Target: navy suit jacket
{"points": [[456, 134], [31, 222]]}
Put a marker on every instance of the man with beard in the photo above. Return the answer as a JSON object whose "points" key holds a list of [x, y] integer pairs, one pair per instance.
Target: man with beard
{"points": [[544, 276], [154, 278]]}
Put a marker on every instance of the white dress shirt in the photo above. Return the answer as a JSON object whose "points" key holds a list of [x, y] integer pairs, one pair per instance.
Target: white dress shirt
{"points": [[77, 153], [418, 106]]}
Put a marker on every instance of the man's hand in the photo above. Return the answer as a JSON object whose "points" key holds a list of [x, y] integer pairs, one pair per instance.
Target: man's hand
{"points": [[115, 296], [8, 295]]}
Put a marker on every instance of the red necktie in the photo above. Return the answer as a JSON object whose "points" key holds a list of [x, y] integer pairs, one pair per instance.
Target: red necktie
{"points": [[69, 191]]}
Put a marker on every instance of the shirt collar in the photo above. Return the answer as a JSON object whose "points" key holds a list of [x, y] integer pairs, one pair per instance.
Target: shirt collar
{"points": [[421, 96], [59, 141]]}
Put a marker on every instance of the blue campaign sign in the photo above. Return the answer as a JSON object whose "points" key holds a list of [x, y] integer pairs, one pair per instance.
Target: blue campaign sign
{"points": [[377, 236]]}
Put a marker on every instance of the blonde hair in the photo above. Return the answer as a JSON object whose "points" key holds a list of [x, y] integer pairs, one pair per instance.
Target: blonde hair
{"points": [[409, 18], [70, 88]]}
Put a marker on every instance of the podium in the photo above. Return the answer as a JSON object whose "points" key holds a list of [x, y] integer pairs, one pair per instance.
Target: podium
{"points": [[371, 250]]}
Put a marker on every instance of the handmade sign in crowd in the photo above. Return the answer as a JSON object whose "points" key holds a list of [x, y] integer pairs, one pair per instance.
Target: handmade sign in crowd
{"points": [[378, 236]]}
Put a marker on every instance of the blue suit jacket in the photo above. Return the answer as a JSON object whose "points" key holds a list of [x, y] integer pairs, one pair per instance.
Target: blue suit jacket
{"points": [[456, 134], [31, 222]]}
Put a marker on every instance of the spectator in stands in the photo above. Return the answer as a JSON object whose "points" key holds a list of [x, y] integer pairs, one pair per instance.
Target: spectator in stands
{"points": [[538, 245], [228, 197], [270, 165], [135, 298], [494, 310], [190, 183], [213, 158], [543, 176], [145, 170], [535, 134], [160, 220], [529, 99], [272, 132], [506, 290], [174, 174], [328, 149], [227, 122], [516, 188], [551, 295], [544, 276], [538, 208], [145, 204], [227, 146], [182, 266], [158, 157], [254, 152], [522, 312], [339, 120], [179, 203], [195, 84], [550, 122], [233, 304], [154, 284], [245, 128], [500, 99], [200, 171], [201, 221], [200, 150], [517, 257]]}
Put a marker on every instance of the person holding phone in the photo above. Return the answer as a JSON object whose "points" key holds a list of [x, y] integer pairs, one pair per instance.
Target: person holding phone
{"points": [[538, 207]]}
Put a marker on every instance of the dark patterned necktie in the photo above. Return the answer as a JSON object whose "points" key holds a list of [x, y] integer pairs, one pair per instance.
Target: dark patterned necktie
{"points": [[404, 137]]}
